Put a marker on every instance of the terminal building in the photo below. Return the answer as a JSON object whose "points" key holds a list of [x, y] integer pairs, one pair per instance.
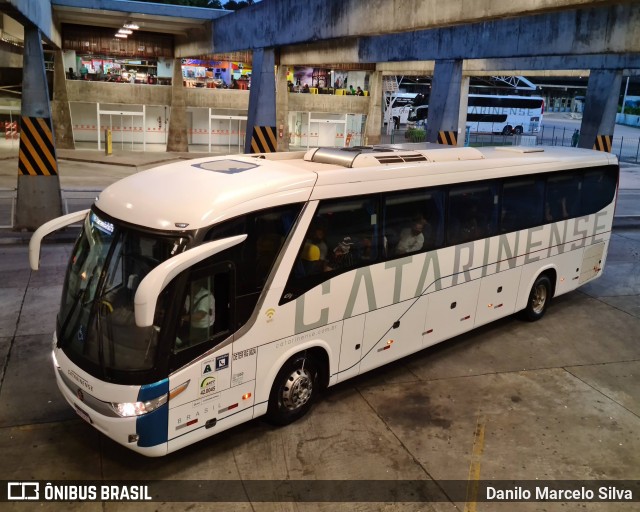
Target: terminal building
{"points": [[178, 78], [95, 52]]}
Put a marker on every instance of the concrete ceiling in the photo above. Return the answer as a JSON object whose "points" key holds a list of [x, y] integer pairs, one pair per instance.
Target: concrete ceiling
{"points": [[106, 18]]}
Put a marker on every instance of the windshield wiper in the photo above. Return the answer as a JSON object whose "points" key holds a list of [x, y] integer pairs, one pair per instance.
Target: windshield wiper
{"points": [[76, 300]]}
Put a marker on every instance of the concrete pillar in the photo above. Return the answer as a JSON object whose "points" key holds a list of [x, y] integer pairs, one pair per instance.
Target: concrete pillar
{"points": [[261, 121], [282, 108], [373, 125], [444, 101], [464, 106], [601, 105], [60, 109], [38, 184], [177, 138]]}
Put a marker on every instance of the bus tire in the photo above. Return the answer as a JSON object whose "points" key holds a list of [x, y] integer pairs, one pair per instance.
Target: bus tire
{"points": [[294, 389], [539, 299], [507, 130], [518, 130]]}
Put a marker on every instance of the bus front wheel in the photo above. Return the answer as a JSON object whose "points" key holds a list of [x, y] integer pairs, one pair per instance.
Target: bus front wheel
{"points": [[294, 390], [539, 299]]}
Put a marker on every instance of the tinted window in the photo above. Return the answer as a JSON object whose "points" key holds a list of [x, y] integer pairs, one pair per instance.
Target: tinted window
{"points": [[563, 197], [343, 235], [473, 212], [253, 259], [206, 307], [598, 188], [413, 221], [522, 202]]}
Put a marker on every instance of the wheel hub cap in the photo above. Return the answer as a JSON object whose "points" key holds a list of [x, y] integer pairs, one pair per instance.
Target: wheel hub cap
{"points": [[297, 390], [539, 298]]}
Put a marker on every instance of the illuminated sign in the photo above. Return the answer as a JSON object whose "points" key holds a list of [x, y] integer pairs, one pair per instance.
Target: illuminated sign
{"points": [[102, 225]]}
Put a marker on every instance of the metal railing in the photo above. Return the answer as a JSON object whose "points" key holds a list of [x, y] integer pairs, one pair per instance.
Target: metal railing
{"points": [[627, 149]]}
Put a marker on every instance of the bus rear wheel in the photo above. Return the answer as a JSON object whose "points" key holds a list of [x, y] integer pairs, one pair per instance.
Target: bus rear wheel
{"points": [[507, 130], [539, 299], [518, 130], [294, 390]]}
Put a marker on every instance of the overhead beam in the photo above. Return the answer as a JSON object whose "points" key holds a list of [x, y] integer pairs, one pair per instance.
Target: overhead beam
{"points": [[610, 29], [268, 24], [143, 8], [35, 14]]}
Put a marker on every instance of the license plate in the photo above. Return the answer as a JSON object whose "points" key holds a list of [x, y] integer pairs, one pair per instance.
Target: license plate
{"points": [[83, 415]]}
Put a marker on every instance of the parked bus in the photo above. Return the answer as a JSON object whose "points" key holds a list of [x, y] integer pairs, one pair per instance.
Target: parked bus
{"points": [[401, 105], [507, 115], [202, 294]]}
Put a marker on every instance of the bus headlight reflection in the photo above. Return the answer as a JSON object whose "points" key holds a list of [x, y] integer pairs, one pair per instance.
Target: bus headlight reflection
{"points": [[128, 409]]}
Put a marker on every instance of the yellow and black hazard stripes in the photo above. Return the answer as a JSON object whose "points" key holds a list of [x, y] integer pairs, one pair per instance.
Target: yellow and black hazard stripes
{"points": [[37, 152], [448, 138], [603, 143], [264, 139]]}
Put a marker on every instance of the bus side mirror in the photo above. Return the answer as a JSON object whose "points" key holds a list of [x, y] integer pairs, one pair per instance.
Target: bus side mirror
{"points": [[155, 281], [50, 227]]}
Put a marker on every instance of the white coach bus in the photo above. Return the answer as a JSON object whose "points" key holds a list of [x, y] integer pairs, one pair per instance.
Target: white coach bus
{"points": [[507, 115], [202, 294]]}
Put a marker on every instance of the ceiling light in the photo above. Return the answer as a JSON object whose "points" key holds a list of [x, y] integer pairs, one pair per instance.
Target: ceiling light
{"points": [[125, 31], [131, 26], [124, 36]]}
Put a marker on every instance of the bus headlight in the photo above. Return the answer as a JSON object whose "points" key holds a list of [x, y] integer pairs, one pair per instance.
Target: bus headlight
{"points": [[128, 409]]}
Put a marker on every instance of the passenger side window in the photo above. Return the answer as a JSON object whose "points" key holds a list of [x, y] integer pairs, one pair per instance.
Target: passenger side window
{"points": [[473, 212], [413, 222], [563, 197], [522, 204], [598, 187], [254, 258], [343, 235]]}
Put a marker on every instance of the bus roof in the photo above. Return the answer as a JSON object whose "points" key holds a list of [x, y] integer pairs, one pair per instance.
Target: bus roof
{"points": [[197, 193]]}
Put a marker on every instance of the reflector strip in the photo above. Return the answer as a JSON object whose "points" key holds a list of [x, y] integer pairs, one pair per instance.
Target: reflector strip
{"points": [[228, 408], [264, 139], [603, 143], [447, 138], [37, 156]]}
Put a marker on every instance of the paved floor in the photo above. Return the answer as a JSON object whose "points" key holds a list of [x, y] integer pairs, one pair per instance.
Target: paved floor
{"points": [[556, 399]]}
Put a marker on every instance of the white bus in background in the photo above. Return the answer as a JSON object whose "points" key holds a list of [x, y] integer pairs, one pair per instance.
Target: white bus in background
{"points": [[205, 293], [506, 115], [401, 104]]}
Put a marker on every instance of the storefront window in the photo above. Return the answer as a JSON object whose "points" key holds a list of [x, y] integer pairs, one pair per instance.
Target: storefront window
{"points": [[216, 74], [107, 69]]}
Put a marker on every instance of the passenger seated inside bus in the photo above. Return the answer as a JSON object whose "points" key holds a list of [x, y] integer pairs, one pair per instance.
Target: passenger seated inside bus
{"points": [[310, 259], [412, 237], [317, 237], [342, 255], [556, 209], [467, 226]]}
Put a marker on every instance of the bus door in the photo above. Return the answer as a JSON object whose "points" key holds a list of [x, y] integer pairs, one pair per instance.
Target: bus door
{"points": [[205, 322]]}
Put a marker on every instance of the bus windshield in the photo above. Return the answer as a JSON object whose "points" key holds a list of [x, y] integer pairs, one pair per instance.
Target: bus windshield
{"points": [[96, 325]]}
